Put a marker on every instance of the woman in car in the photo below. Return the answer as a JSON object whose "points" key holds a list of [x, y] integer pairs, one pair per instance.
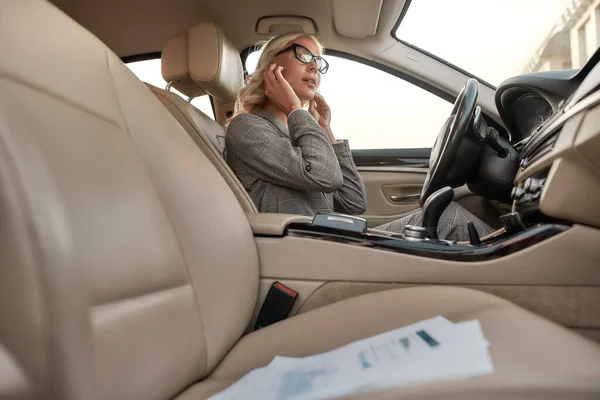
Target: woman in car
{"points": [[280, 145]]}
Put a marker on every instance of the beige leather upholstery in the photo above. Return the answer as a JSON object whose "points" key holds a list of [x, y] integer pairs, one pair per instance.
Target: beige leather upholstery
{"points": [[13, 384], [272, 224], [113, 224], [129, 271], [209, 136], [214, 62], [175, 56], [206, 133], [532, 357], [202, 60], [175, 67]]}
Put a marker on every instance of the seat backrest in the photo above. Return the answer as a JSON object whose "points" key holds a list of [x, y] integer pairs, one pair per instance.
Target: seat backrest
{"points": [[117, 231], [208, 134]]}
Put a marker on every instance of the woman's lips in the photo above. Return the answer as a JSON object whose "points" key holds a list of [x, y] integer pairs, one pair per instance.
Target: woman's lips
{"points": [[310, 83]]}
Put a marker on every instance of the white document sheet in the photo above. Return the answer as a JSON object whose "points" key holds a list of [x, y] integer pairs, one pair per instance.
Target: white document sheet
{"points": [[430, 350]]}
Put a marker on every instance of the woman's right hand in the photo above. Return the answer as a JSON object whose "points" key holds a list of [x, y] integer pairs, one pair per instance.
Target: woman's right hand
{"points": [[279, 91]]}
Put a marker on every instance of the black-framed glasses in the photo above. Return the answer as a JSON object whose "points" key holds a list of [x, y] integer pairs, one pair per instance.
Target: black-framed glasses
{"points": [[305, 56]]}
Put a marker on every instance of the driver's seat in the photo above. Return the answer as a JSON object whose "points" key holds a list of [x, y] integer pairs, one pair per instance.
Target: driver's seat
{"points": [[129, 270]]}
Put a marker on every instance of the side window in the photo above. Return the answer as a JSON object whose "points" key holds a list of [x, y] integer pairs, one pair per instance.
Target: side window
{"points": [[377, 110], [149, 71]]}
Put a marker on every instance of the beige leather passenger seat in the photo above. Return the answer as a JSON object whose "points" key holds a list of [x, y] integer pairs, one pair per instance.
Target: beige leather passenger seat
{"points": [[128, 267], [200, 61]]}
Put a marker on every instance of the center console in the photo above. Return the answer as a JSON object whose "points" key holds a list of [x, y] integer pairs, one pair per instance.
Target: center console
{"points": [[496, 247], [422, 240]]}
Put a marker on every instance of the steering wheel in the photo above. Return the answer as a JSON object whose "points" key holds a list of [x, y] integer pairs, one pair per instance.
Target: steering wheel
{"points": [[453, 154]]}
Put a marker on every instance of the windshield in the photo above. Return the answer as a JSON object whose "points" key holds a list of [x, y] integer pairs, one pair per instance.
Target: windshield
{"points": [[497, 39]]}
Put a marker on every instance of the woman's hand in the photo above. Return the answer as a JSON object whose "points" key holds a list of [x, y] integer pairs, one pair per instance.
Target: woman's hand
{"points": [[321, 112], [279, 91]]}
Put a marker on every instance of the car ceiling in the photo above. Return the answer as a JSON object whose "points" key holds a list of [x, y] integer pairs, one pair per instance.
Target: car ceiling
{"points": [[132, 27]]}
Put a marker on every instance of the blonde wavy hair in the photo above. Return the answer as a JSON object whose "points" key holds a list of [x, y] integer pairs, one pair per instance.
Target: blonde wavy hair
{"points": [[252, 95]]}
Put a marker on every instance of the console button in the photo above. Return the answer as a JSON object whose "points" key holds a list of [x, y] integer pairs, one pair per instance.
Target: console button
{"points": [[517, 193], [533, 185]]}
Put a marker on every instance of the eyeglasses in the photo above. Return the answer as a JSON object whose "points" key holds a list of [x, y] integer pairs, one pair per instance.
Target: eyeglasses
{"points": [[305, 56]]}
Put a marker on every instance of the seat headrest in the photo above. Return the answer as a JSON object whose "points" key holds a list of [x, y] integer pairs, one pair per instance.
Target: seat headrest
{"points": [[214, 62], [174, 66]]}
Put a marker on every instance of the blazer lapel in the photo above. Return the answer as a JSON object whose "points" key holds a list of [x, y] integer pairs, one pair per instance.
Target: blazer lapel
{"points": [[273, 120]]}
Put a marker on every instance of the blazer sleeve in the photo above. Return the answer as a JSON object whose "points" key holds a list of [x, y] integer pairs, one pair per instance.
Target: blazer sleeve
{"points": [[350, 198], [306, 162]]}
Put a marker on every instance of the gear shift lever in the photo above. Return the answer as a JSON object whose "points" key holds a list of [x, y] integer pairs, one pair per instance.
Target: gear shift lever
{"points": [[433, 208]]}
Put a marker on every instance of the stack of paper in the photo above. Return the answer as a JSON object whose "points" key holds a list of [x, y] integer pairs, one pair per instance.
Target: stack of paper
{"points": [[430, 350]]}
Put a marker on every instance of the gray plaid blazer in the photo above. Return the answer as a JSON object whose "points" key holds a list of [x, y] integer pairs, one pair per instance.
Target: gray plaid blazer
{"points": [[293, 169]]}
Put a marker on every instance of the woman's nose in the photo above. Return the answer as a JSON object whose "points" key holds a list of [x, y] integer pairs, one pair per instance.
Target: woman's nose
{"points": [[312, 67]]}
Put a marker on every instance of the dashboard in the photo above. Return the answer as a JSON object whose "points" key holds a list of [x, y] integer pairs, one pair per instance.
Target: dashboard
{"points": [[530, 111], [526, 102], [554, 120]]}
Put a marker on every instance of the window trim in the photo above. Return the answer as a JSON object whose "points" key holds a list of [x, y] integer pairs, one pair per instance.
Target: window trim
{"points": [[431, 55], [413, 157], [142, 57], [157, 55], [398, 74]]}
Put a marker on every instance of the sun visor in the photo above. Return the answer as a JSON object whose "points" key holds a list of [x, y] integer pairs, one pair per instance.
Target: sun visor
{"points": [[356, 19]]}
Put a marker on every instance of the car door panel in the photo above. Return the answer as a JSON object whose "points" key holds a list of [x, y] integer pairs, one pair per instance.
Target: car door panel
{"points": [[393, 180], [414, 158], [391, 194]]}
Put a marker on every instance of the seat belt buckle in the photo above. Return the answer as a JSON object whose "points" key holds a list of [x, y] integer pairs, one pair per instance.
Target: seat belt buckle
{"points": [[277, 305]]}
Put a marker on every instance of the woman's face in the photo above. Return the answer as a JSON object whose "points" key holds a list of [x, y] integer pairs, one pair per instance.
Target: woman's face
{"points": [[303, 78]]}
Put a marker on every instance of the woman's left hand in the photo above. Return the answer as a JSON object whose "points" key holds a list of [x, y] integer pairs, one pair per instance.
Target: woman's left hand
{"points": [[321, 112]]}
